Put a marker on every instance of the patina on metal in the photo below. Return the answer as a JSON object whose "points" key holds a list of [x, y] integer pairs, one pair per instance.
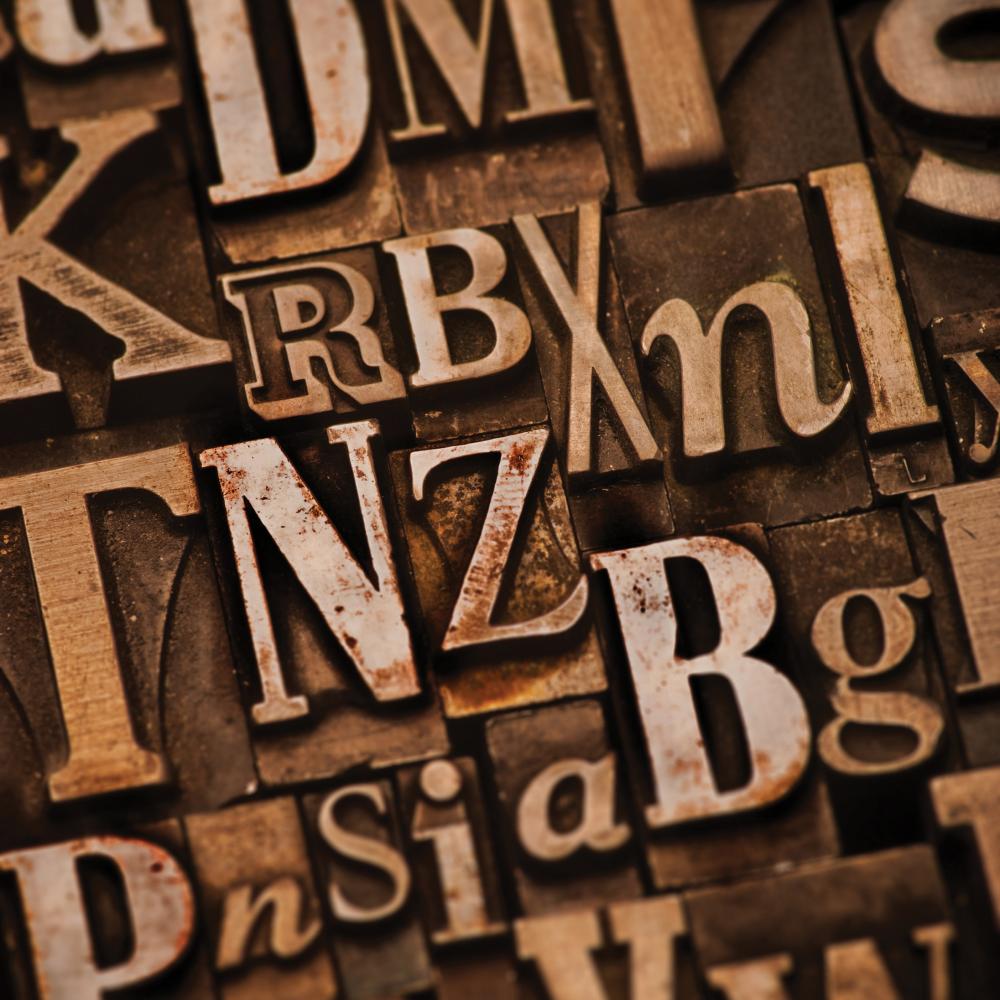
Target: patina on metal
{"points": [[499, 499]]}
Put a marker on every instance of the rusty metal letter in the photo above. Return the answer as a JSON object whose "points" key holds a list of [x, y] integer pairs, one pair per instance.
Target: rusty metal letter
{"points": [[366, 851], [897, 395], [971, 365], [596, 829], [560, 946], [334, 63], [907, 48], [159, 899], [470, 624], [243, 912], [426, 309], [295, 298], [774, 717], [672, 97], [972, 798], [909, 56], [440, 818], [970, 530], [365, 615], [855, 970], [650, 928], [758, 979]]}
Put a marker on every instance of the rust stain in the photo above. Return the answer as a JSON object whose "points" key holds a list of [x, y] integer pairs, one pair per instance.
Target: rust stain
{"points": [[232, 483], [392, 679], [520, 457]]}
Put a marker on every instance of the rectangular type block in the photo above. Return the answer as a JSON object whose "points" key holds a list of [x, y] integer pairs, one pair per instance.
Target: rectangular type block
{"points": [[747, 394], [259, 903], [565, 831], [464, 339], [965, 809], [878, 925], [699, 97], [291, 156], [634, 948], [859, 633], [309, 562], [928, 117], [71, 69], [965, 349], [904, 438], [957, 547], [613, 463], [719, 746], [486, 116], [503, 597], [111, 599], [311, 342], [454, 865], [106, 312], [121, 907], [377, 938]]}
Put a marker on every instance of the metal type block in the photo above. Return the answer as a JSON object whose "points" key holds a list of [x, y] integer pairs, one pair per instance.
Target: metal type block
{"points": [[858, 631], [875, 927], [964, 349], [292, 160], [102, 913], [443, 190], [105, 307], [783, 92], [311, 342], [566, 832], [118, 676], [904, 442], [259, 903], [697, 97], [926, 83], [74, 66], [468, 351], [359, 635], [376, 934], [721, 757], [965, 806], [746, 392], [639, 949], [309, 565], [955, 542], [613, 464], [454, 866], [486, 109], [503, 597]]}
